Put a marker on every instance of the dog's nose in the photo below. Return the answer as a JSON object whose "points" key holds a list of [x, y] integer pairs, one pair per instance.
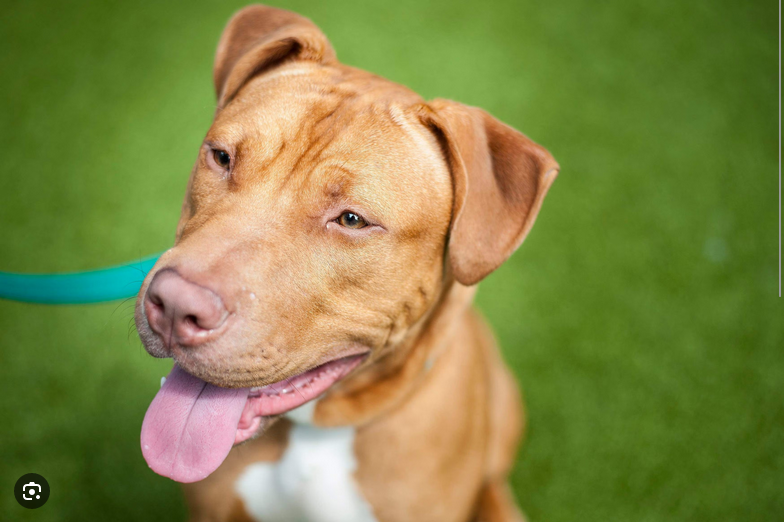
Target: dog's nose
{"points": [[182, 312]]}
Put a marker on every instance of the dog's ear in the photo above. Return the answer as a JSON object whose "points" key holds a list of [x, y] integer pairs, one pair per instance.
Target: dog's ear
{"points": [[260, 37], [500, 178]]}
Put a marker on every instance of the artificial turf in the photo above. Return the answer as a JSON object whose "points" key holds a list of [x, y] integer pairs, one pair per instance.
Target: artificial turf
{"points": [[640, 315]]}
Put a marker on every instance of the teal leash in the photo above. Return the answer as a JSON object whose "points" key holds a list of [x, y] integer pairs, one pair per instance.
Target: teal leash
{"points": [[93, 286]]}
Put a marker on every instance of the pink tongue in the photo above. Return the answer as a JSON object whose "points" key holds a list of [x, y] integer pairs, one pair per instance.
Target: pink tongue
{"points": [[190, 426]]}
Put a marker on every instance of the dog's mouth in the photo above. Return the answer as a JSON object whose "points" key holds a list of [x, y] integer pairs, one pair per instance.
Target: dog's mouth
{"points": [[291, 393], [191, 425]]}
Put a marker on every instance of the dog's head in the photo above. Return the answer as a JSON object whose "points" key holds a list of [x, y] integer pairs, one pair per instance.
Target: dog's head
{"points": [[327, 213]]}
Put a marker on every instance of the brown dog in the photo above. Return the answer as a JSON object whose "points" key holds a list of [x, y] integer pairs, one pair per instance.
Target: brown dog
{"points": [[317, 301]]}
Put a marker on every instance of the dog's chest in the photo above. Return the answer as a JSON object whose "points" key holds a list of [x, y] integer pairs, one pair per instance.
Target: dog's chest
{"points": [[312, 482]]}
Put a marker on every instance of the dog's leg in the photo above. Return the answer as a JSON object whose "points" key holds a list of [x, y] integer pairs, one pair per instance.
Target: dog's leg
{"points": [[496, 504]]}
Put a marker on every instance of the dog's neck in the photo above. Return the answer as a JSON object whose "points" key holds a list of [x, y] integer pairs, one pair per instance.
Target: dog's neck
{"points": [[388, 381]]}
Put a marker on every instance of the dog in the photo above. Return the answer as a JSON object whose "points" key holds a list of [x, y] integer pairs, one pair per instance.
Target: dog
{"points": [[329, 366]]}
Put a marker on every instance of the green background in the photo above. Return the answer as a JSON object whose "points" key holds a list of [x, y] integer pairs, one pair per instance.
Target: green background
{"points": [[640, 315]]}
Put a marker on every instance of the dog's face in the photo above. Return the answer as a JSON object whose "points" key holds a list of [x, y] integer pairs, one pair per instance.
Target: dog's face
{"points": [[327, 212], [318, 213]]}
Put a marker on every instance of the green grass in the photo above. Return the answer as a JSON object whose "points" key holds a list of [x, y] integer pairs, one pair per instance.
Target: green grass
{"points": [[641, 314]]}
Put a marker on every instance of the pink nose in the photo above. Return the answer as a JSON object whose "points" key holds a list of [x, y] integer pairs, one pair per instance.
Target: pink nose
{"points": [[182, 312]]}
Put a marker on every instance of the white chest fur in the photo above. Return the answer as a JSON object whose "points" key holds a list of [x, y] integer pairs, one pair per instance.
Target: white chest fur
{"points": [[312, 482]]}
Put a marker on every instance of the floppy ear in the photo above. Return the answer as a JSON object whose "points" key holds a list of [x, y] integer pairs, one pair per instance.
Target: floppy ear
{"points": [[500, 178], [258, 38]]}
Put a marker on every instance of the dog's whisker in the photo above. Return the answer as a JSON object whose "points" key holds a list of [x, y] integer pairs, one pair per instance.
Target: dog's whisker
{"points": [[134, 282], [124, 301], [288, 381], [131, 325], [138, 269]]}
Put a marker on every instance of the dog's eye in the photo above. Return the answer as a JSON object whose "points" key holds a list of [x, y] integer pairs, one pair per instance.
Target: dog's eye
{"points": [[222, 158], [351, 220]]}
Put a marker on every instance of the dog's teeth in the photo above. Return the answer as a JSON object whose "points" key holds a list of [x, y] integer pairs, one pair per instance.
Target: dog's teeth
{"points": [[286, 391], [163, 380], [255, 389]]}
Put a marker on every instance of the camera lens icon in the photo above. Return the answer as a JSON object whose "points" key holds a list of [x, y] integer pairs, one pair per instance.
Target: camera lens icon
{"points": [[31, 491]]}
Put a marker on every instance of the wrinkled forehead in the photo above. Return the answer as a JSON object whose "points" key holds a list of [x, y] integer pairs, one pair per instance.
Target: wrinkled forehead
{"points": [[306, 125]]}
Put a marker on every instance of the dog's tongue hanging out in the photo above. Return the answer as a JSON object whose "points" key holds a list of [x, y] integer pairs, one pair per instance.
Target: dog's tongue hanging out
{"points": [[190, 426]]}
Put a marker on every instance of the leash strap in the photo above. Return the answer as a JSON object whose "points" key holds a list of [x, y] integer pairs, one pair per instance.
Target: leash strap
{"points": [[93, 286]]}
